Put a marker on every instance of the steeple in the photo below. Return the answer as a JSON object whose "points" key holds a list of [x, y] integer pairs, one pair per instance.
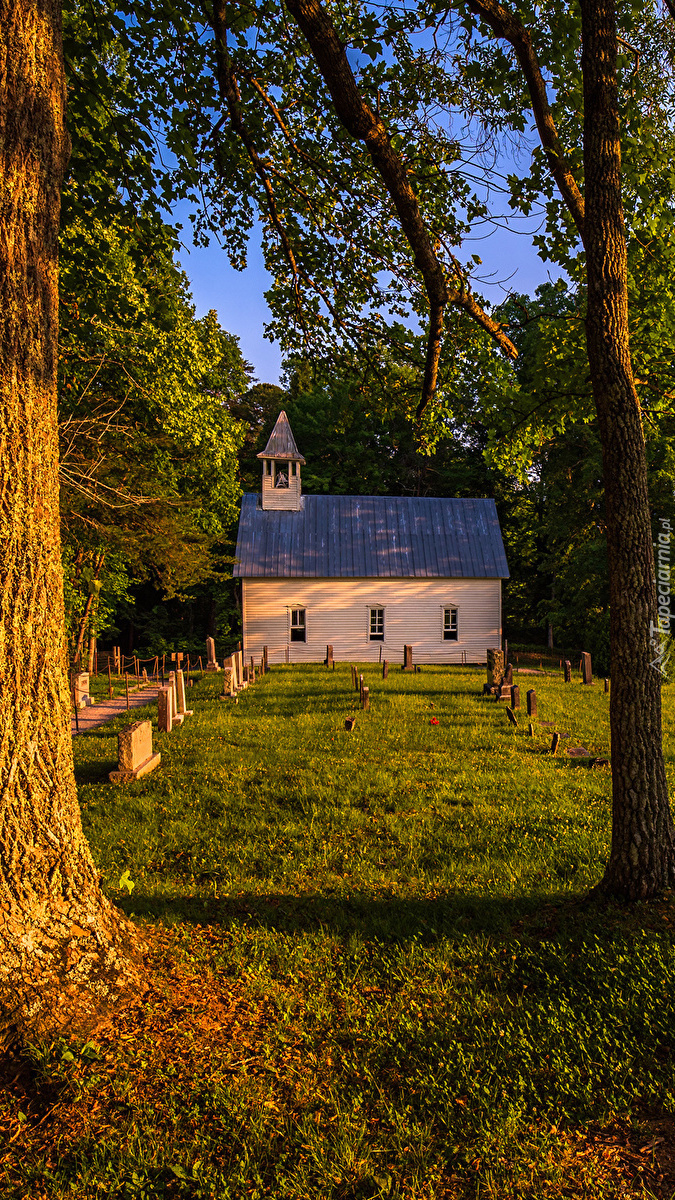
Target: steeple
{"points": [[281, 488]]}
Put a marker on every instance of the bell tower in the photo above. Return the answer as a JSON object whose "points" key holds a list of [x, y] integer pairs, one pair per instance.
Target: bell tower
{"points": [[281, 488]]}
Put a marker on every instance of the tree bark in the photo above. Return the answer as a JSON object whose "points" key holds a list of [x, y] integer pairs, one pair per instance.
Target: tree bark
{"points": [[66, 955], [642, 859]]}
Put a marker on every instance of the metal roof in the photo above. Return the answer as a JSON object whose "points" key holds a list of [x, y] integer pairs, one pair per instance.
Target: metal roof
{"points": [[358, 537], [281, 443]]}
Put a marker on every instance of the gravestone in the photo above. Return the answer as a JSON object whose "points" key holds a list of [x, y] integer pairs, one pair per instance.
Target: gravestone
{"points": [[568, 671], [555, 741], [134, 753], [495, 667], [176, 716], [531, 703], [586, 672], [385, 669], [357, 685], [211, 664], [240, 668], [515, 696], [607, 685], [81, 688], [512, 717], [180, 695], [407, 659], [350, 722], [165, 709], [508, 674], [531, 729], [329, 656], [365, 698]]}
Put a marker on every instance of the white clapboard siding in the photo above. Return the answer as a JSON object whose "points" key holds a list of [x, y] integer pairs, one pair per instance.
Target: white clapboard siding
{"points": [[338, 613]]}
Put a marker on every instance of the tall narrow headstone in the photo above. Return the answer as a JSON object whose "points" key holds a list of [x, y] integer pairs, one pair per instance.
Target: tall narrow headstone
{"points": [[568, 671], [176, 716], [329, 656], [211, 664], [607, 685], [515, 696], [531, 703], [180, 695], [508, 674], [165, 709], [365, 698], [408, 659], [385, 669], [134, 753], [81, 690], [495, 667], [265, 661], [555, 742], [586, 672]]}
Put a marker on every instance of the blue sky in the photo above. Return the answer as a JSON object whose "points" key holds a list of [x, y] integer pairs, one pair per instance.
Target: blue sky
{"points": [[508, 258]]}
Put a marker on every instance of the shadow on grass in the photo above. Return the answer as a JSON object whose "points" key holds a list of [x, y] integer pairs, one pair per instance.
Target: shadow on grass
{"points": [[386, 919]]}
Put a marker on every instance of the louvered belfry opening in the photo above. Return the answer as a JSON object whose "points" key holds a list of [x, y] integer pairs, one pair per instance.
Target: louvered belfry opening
{"points": [[281, 459]]}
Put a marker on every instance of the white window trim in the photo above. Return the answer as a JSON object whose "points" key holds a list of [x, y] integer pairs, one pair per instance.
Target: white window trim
{"points": [[289, 610], [444, 607], [384, 617]]}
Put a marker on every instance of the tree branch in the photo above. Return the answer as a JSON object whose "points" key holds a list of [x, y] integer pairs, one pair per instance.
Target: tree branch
{"points": [[366, 126], [509, 26]]}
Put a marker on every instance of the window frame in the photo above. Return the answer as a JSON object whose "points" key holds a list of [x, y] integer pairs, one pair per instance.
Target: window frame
{"points": [[297, 608], [445, 608], [380, 608]]}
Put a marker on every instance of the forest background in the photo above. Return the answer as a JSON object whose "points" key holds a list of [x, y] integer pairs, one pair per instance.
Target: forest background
{"points": [[160, 416]]}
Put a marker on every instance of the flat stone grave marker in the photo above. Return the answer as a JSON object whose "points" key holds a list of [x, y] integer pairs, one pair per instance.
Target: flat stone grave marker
{"points": [[134, 753], [578, 752]]}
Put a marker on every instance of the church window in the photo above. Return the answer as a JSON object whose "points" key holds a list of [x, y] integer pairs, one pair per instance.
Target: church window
{"points": [[450, 629], [298, 625], [377, 624]]}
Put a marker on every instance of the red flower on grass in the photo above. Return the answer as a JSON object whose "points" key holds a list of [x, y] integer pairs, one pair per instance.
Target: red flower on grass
{"points": [[433, 720]]}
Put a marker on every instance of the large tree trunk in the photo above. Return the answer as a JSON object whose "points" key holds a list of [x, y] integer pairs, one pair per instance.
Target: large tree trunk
{"points": [[66, 955], [642, 859]]}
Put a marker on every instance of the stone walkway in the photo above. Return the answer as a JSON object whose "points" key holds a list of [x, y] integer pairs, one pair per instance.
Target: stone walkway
{"points": [[97, 714]]}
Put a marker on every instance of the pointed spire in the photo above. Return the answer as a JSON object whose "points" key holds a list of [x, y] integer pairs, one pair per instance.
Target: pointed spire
{"points": [[282, 443]]}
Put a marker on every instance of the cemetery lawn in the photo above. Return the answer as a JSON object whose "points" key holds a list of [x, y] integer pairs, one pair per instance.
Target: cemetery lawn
{"points": [[374, 968]]}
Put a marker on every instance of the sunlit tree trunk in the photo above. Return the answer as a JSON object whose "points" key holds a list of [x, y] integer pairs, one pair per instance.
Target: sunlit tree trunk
{"points": [[66, 955], [642, 859]]}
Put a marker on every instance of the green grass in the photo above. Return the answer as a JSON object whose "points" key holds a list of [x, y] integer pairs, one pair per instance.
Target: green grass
{"points": [[375, 970]]}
